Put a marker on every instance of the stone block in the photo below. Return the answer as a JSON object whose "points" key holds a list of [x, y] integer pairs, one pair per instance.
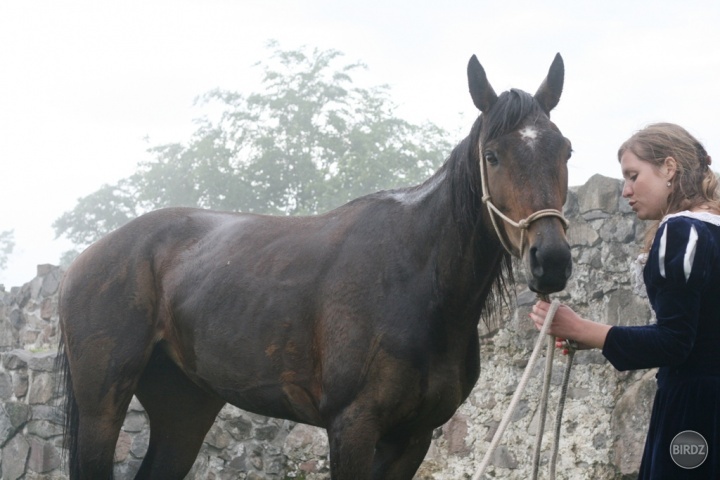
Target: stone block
{"points": [[44, 456], [42, 362], [239, 427], [20, 384], [135, 421], [618, 229], [305, 441], [53, 414], [44, 429], [7, 338], [599, 193], [140, 443], [503, 458], [266, 432], [455, 432], [16, 359], [44, 269], [47, 308], [122, 448], [218, 437], [629, 422], [7, 430], [6, 389], [582, 234], [626, 308], [17, 318], [41, 389], [51, 282], [14, 458]]}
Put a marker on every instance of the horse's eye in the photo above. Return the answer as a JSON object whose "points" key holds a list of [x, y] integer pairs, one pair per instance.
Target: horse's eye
{"points": [[490, 157], [569, 154]]}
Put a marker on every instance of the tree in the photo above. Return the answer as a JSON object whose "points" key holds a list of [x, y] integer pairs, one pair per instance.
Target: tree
{"points": [[309, 142], [7, 244]]}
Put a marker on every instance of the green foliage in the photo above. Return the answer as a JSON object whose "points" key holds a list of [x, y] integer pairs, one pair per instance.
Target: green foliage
{"points": [[7, 244], [296, 476], [309, 142], [98, 213]]}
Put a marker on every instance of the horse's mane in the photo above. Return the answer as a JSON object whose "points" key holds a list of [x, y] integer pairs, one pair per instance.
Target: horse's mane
{"points": [[463, 169], [509, 110]]}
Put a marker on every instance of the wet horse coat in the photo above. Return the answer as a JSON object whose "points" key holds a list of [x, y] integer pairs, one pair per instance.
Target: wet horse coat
{"points": [[362, 320]]}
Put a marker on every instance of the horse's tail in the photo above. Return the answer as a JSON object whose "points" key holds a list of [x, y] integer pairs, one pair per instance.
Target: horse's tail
{"points": [[69, 405]]}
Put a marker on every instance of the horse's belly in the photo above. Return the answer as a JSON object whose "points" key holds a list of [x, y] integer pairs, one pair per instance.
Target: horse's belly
{"points": [[249, 351], [256, 374], [287, 401]]}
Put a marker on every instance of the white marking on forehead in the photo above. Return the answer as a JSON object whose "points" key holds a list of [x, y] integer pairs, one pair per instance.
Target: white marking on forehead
{"points": [[529, 134]]}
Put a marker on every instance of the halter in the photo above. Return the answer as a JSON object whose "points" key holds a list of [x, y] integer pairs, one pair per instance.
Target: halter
{"points": [[523, 224]]}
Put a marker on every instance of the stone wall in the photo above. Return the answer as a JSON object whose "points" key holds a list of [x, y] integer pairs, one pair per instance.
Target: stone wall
{"points": [[604, 422]]}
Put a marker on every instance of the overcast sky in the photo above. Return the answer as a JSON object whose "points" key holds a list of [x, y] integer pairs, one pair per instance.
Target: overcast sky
{"points": [[85, 83]]}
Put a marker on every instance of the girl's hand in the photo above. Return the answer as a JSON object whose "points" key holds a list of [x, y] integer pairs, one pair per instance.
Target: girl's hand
{"points": [[562, 323], [569, 326]]}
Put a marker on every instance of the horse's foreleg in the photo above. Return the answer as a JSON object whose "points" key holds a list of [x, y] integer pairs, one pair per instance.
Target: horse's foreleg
{"points": [[398, 457], [352, 436]]}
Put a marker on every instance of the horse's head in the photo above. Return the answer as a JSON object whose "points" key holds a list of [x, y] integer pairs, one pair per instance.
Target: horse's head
{"points": [[523, 165]]}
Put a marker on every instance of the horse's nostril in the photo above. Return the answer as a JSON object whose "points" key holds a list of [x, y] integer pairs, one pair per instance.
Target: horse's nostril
{"points": [[536, 267]]}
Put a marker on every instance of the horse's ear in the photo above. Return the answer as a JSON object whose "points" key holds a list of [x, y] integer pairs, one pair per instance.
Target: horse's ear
{"points": [[548, 95], [481, 92]]}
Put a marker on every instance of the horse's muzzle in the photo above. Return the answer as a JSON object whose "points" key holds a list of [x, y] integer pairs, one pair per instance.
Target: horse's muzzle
{"points": [[550, 266]]}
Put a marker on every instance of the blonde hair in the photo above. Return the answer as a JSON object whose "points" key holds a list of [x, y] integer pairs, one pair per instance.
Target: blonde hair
{"points": [[694, 183]]}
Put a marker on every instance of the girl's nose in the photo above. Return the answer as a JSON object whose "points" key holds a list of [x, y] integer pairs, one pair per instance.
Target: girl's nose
{"points": [[627, 190]]}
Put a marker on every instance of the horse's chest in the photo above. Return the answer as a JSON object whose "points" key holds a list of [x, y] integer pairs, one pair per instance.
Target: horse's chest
{"points": [[443, 396]]}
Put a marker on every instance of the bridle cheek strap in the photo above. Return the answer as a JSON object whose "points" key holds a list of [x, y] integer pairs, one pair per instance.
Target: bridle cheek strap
{"points": [[523, 224]]}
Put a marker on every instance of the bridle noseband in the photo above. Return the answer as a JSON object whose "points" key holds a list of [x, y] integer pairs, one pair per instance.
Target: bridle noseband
{"points": [[523, 224]]}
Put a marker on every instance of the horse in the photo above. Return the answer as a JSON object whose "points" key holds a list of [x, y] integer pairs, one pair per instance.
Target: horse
{"points": [[362, 320]]}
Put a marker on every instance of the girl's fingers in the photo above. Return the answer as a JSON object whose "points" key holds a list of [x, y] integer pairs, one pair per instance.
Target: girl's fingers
{"points": [[563, 344]]}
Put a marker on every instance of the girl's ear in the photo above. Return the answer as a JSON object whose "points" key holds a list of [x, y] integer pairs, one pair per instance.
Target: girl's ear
{"points": [[670, 167]]}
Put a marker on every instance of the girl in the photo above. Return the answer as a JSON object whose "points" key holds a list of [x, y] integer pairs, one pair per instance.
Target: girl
{"points": [[668, 178]]}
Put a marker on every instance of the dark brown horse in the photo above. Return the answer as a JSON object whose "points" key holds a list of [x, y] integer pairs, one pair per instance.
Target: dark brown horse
{"points": [[362, 320]]}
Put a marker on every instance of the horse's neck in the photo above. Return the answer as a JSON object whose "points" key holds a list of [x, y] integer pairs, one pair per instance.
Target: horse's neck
{"points": [[464, 264], [467, 253]]}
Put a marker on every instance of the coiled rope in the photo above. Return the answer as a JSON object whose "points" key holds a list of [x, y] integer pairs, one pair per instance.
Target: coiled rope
{"points": [[543, 401]]}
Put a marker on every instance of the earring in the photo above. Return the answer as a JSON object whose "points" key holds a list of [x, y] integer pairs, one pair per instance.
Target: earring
{"points": [[669, 184]]}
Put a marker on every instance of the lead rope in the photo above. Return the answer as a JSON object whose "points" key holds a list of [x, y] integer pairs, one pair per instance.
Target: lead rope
{"points": [[518, 391], [572, 347], [543, 402], [549, 355]]}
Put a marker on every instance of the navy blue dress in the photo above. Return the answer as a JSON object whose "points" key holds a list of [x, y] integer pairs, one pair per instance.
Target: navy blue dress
{"points": [[682, 278]]}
